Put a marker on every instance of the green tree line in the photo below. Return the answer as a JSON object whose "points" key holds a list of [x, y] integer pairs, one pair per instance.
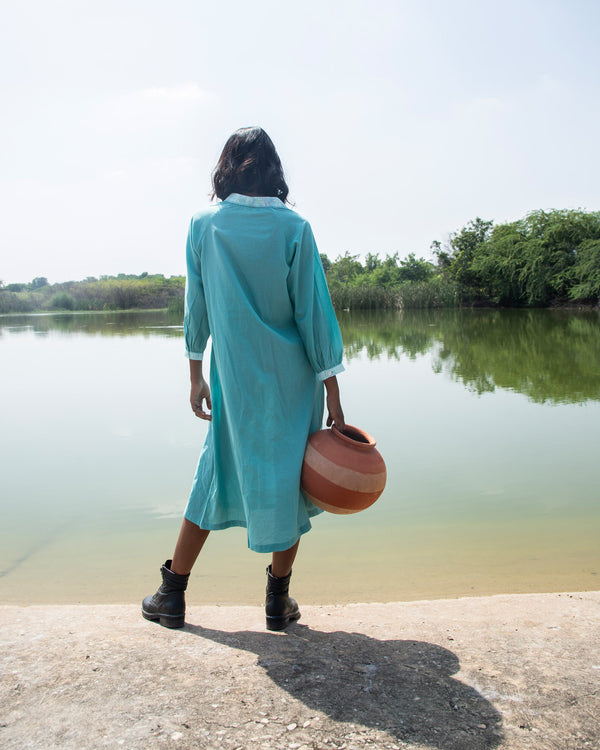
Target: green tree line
{"points": [[548, 257], [545, 258], [122, 292]]}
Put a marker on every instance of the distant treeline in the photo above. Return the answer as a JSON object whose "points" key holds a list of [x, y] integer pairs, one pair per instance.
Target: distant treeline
{"points": [[546, 258], [122, 292]]}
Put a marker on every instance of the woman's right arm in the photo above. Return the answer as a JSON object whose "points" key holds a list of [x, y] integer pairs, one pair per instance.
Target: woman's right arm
{"points": [[195, 320], [199, 391], [196, 329]]}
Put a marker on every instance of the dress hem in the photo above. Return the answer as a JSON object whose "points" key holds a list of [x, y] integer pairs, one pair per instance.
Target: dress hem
{"points": [[274, 547]]}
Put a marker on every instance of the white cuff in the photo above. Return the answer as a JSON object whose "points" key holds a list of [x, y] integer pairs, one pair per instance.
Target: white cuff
{"points": [[194, 355], [331, 372]]}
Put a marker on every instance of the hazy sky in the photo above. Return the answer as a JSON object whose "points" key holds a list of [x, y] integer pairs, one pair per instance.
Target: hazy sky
{"points": [[397, 121]]}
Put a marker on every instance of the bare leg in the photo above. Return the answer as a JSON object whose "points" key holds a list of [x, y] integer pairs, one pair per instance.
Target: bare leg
{"points": [[190, 542], [282, 562]]}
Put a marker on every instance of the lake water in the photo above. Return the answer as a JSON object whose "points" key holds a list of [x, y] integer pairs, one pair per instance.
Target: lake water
{"points": [[489, 422]]}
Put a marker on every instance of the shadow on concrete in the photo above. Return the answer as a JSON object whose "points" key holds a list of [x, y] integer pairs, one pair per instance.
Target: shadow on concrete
{"points": [[404, 688]]}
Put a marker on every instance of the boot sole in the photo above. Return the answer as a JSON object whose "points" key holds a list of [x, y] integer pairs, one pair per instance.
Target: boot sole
{"points": [[281, 623], [167, 621]]}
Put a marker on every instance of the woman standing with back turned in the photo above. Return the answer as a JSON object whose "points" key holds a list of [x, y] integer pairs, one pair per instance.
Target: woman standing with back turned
{"points": [[255, 285]]}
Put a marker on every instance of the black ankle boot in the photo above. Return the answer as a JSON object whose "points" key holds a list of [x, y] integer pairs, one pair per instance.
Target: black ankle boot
{"points": [[280, 608], [168, 604]]}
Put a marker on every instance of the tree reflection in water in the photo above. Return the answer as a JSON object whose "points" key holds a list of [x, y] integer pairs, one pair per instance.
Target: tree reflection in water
{"points": [[550, 356]]}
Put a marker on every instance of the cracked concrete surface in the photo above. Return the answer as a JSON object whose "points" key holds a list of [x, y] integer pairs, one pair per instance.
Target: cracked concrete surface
{"points": [[515, 672]]}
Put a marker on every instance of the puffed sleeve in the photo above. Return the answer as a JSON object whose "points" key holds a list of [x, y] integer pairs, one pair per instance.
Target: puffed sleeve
{"points": [[195, 322], [313, 309]]}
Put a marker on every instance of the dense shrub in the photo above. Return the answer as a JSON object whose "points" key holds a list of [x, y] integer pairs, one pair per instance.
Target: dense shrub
{"points": [[545, 257], [62, 301], [12, 302]]}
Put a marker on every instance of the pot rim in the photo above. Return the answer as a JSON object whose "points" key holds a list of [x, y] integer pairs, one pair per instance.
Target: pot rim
{"points": [[360, 444]]}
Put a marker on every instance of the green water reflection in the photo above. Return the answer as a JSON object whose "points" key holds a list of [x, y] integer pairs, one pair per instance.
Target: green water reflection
{"points": [[550, 356], [127, 323], [487, 420]]}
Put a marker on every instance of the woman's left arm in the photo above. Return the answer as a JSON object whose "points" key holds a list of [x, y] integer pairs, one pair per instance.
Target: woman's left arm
{"points": [[335, 415], [313, 310]]}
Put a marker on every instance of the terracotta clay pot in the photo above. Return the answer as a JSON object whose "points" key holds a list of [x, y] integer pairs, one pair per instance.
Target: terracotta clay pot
{"points": [[342, 472]]}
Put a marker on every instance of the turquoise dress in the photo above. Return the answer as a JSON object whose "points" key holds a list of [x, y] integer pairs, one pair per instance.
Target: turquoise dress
{"points": [[255, 285]]}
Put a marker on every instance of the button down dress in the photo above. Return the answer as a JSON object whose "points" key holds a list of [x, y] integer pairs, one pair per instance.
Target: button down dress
{"points": [[255, 285]]}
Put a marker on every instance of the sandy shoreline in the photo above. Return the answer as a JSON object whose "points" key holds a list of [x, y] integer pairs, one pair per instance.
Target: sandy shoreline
{"points": [[518, 671]]}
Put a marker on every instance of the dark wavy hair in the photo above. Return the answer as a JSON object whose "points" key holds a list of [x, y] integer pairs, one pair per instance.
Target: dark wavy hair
{"points": [[249, 164]]}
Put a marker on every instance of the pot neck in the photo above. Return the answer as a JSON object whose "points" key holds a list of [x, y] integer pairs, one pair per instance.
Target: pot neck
{"points": [[355, 437]]}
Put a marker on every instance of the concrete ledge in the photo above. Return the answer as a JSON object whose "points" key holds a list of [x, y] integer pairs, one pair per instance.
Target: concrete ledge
{"points": [[512, 672]]}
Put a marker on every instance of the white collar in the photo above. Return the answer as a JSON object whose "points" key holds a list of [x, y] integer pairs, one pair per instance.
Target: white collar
{"points": [[260, 201]]}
